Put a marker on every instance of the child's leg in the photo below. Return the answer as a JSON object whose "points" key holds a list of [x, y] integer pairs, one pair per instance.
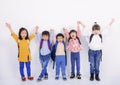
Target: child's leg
{"points": [[44, 65], [92, 63], [78, 62], [72, 63], [28, 68], [63, 61], [21, 64], [57, 60], [97, 62]]}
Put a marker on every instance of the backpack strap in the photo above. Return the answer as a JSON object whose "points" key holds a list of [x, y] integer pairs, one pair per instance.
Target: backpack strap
{"points": [[91, 36], [49, 44]]}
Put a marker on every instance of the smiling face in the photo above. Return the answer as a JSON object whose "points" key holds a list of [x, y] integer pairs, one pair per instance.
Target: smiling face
{"points": [[23, 34], [73, 34]]}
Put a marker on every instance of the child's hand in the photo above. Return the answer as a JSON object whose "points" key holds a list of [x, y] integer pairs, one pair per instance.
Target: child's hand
{"points": [[112, 21], [52, 30], [80, 23], [64, 28], [8, 25], [36, 29]]}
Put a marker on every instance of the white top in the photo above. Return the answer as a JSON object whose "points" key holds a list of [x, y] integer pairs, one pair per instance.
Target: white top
{"points": [[60, 49], [95, 43]]}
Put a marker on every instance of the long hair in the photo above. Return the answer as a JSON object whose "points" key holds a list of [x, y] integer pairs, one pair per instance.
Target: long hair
{"points": [[23, 29]]}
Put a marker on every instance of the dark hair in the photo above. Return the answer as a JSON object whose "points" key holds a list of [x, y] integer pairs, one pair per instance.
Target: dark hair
{"points": [[46, 33], [59, 35], [23, 29], [72, 31], [95, 26]]}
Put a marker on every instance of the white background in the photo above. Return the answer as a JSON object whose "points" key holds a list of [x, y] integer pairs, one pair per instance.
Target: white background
{"points": [[57, 14]]}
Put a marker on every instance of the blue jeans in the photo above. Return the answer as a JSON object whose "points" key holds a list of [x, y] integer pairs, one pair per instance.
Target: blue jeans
{"points": [[75, 58], [21, 64], [60, 63], [94, 58], [44, 62]]}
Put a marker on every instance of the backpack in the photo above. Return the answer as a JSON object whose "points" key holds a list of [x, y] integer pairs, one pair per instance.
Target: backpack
{"points": [[41, 44], [90, 39], [53, 53]]}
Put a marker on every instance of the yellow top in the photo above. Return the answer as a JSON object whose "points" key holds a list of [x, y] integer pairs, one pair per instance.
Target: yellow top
{"points": [[23, 48]]}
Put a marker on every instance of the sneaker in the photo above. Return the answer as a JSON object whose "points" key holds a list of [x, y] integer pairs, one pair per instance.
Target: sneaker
{"points": [[23, 79], [39, 79], [64, 78], [46, 77], [57, 78], [78, 76], [72, 76], [91, 77], [97, 77]]}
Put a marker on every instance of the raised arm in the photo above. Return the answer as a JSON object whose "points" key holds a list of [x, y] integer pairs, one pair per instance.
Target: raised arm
{"points": [[12, 32], [9, 27], [78, 28], [51, 35], [111, 22], [66, 32], [35, 32]]}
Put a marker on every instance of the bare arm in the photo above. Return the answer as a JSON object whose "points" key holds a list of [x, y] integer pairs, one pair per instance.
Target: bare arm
{"points": [[9, 27]]}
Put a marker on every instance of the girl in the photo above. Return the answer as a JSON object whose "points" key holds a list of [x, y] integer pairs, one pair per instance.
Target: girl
{"points": [[74, 45], [24, 56]]}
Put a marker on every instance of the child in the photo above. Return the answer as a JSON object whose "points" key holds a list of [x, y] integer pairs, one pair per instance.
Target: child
{"points": [[59, 53], [24, 56], [74, 45], [95, 49], [45, 51]]}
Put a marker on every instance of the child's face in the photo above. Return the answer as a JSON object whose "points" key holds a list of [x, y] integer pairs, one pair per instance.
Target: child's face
{"points": [[23, 34], [60, 38], [96, 32], [45, 37], [73, 35]]}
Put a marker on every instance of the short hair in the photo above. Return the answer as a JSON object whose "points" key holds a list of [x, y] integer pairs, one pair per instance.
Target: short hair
{"points": [[59, 35], [95, 26], [46, 33], [23, 29]]}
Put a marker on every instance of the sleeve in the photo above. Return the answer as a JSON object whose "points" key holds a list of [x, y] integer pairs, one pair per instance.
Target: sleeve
{"points": [[31, 36], [38, 37], [15, 37], [78, 32], [66, 34], [51, 36]]}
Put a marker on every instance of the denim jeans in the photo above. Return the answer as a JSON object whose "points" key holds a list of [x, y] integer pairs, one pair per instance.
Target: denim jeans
{"points": [[94, 58], [44, 62], [75, 58]]}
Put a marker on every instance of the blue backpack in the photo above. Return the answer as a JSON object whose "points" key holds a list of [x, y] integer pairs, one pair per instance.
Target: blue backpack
{"points": [[53, 53], [49, 44]]}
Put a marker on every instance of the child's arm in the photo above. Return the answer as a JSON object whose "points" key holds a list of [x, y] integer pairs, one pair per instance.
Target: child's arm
{"points": [[51, 35], [35, 32], [66, 33], [12, 32], [111, 22]]}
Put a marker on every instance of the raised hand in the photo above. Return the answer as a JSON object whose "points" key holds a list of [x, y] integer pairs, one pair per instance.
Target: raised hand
{"points": [[9, 27]]}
